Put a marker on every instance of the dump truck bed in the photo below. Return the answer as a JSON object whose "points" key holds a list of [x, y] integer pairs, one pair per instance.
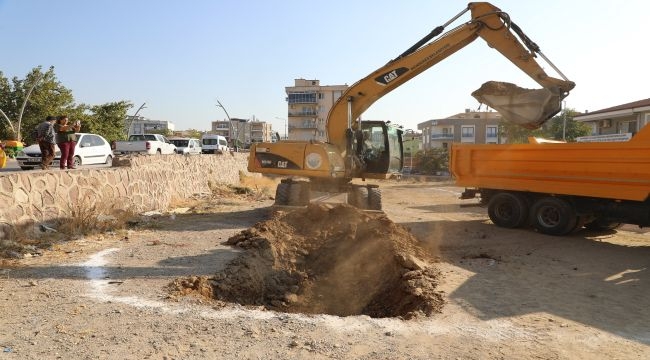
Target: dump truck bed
{"points": [[611, 170]]}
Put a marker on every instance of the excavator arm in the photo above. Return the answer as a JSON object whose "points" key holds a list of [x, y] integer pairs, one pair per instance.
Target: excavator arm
{"points": [[529, 108]]}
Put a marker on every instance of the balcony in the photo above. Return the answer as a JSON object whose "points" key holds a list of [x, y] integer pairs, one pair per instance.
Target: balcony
{"points": [[442, 136], [304, 125], [303, 113], [302, 98]]}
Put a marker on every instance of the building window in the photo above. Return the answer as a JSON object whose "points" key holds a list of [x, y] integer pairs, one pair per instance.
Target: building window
{"points": [[491, 132], [467, 131], [302, 97]]}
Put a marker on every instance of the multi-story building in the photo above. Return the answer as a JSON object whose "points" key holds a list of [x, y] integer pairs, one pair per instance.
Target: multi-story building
{"points": [[141, 125], [244, 131], [308, 106], [468, 127], [616, 123], [260, 131], [221, 127]]}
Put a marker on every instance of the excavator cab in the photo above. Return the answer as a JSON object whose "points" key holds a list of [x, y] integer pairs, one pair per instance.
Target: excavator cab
{"points": [[380, 149]]}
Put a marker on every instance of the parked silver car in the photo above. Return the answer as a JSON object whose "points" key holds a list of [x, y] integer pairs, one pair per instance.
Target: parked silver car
{"points": [[90, 149]]}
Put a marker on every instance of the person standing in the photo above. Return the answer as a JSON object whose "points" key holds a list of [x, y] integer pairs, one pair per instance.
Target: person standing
{"points": [[66, 140], [45, 137]]}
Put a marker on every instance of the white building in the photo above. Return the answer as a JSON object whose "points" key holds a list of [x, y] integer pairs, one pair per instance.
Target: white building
{"points": [[140, 125]]}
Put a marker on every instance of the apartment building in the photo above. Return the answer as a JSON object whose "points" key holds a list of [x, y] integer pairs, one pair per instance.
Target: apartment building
{"points": [[245, 131], [467, 127], [616, 123], [308, 104]]}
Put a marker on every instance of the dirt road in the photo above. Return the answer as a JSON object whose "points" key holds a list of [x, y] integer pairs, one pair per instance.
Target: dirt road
{"points": [[510, 294]]}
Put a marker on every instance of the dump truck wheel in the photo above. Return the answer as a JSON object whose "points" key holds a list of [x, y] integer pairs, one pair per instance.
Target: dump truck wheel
{"points": [[508, 210], [282, 194], [554, 216], [374, 198]]}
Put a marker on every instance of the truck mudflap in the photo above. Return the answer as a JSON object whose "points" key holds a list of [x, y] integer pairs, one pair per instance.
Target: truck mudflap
{"points": [[529, 108]]}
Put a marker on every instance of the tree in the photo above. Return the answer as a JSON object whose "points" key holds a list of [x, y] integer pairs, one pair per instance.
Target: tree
{"points": [[571, 131], [108, 120], [27, 102], [193, 133], [49, 97], [431, 160]]}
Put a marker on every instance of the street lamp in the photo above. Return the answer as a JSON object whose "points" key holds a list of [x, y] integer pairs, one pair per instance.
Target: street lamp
{"points": [[286, 127], [232, 141], [128, 128]]}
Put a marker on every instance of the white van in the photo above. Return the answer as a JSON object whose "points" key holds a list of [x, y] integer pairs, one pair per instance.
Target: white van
{"points": [[214, 144], [186, 146]]}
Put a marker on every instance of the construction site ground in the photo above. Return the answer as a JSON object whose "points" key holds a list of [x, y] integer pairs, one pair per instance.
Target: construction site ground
{"points": [[506, 294]]}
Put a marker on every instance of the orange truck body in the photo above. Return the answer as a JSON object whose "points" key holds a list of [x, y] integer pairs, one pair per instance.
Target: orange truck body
{"points": [[613, 177]]}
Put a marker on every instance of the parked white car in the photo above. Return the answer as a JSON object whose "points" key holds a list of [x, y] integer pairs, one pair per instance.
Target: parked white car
{"points": [[151, 144], [90, 149], [186, 146]]}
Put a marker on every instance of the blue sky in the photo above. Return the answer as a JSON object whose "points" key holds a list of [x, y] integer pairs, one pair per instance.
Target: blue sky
{"points": [[181, 56]]}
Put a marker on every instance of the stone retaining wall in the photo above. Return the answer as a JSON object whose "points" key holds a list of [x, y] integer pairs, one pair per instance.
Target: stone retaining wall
{"points": [[138, 183]]}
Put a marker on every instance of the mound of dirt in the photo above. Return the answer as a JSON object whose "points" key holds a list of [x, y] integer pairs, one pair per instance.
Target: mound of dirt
{"points": [[500, 88], [328, 259]]}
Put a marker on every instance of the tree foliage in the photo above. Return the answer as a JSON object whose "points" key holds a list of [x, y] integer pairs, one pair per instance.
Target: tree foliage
{"points": [[573, 129], [50, 97], [431, 160], [109, 120], [193, 133]]}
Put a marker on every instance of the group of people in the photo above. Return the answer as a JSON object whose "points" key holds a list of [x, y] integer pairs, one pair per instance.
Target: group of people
{"points": [[56, 130]]}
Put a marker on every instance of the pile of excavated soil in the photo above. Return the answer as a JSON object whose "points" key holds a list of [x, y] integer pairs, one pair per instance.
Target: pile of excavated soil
{"points": [[328, 259], [500, 88]]}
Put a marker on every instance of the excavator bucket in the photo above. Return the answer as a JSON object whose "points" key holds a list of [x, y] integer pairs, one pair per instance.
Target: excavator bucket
{"points": [[529, 108]]}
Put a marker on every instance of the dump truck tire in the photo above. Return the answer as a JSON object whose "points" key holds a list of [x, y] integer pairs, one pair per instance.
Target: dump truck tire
{"points": [[508, 210], [554, 216]]}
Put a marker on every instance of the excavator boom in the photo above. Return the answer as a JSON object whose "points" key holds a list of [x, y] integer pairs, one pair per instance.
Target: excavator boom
{"points": [[529, 108]]}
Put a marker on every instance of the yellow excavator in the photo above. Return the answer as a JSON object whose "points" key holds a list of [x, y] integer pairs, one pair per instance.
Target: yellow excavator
{"points": [[357, 149]]}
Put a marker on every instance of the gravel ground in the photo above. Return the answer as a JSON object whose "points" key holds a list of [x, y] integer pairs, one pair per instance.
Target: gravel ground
{"points": [[510, 294]]}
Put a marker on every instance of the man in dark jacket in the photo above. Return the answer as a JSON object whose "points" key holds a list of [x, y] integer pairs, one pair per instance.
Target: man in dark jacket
{"points": [[45, 137]]}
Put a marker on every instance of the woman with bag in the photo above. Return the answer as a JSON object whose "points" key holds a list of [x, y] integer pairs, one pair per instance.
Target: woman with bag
{"points": [[66, 140]]}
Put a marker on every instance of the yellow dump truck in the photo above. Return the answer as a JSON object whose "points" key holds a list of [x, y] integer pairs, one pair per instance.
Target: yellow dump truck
{"points": [[558, 187]]}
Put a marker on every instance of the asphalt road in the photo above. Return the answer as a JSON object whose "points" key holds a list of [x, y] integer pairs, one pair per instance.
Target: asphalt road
{"points": [[12, 165]]}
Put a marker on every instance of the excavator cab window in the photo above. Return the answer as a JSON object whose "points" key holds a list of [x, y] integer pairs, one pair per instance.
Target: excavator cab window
{"points": [[381, 150]]}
